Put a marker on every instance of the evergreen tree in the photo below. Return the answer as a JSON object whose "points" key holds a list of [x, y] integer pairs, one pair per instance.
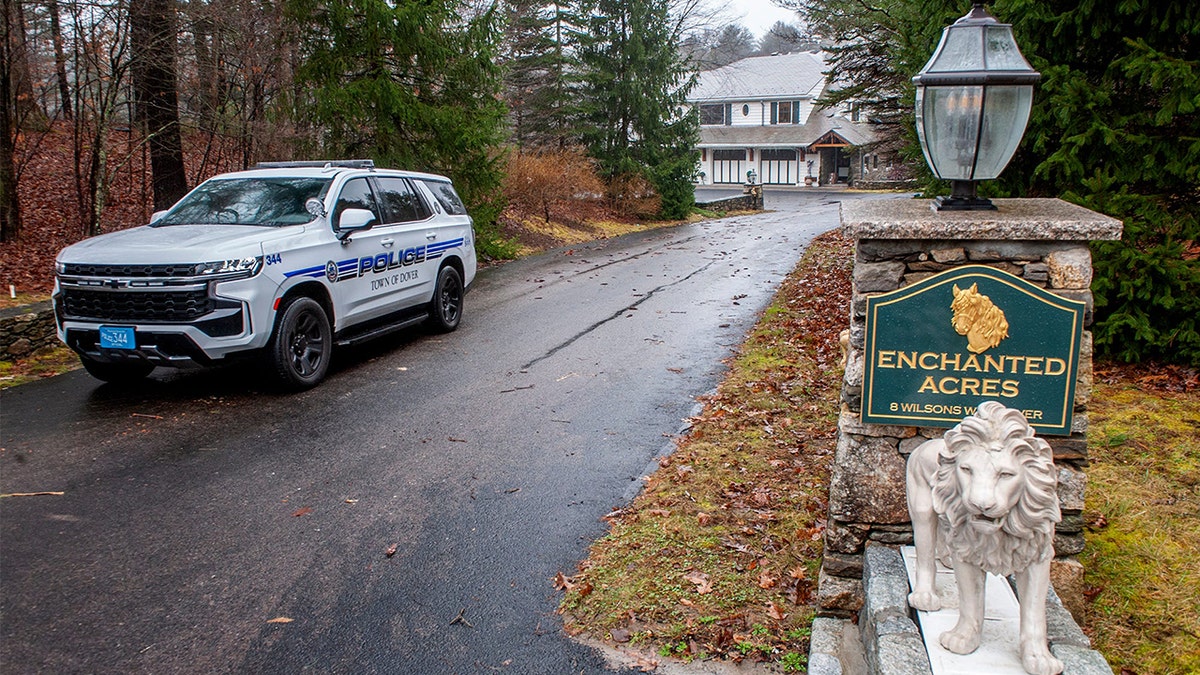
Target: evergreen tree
{"points": [[1114, 128], [538, 70], [634, 90], [784, 38], [412, 85]]}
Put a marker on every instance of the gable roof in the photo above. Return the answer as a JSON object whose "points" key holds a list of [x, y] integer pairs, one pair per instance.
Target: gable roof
{"points": [[781, 76]]}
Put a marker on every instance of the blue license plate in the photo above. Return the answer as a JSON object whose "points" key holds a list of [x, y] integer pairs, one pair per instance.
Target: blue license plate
{"points": [[117, 337]]}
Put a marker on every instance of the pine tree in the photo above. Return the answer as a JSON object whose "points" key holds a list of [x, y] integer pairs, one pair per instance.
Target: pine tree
{"points": [[634, 89], [1116, 128], [538, 73], [411, 85]]}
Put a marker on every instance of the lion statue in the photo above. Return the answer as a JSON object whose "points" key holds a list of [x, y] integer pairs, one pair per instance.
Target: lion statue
{"points": [[978, 318], [984, 499]]}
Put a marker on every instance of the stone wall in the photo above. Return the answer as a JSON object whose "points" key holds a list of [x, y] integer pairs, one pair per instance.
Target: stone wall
{"points": [[902, 185], [25, 330], [749, 202], [900, 242]]}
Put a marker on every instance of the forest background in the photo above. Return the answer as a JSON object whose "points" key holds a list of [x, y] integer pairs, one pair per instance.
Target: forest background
{"points": [[573, 111]]}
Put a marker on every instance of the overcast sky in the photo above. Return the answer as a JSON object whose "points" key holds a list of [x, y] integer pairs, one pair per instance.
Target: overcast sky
{"points": [[759, 15]]}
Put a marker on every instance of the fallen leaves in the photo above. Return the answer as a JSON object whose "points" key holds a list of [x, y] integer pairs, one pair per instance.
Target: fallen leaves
{"points": [[301, 512], [281, 619], [703, 582]]}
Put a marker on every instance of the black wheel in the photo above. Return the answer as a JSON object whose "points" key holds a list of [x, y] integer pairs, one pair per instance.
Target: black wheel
{"points": [[117, 373], [302, 344], [446, 308]]}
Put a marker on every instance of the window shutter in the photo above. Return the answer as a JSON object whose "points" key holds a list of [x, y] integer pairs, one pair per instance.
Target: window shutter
{"points": [[728, 114], [795, 112], [774, 113]]}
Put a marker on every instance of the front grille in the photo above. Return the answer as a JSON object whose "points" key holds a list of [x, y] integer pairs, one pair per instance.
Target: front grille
{"points": [[134, 271], [141, 306]]}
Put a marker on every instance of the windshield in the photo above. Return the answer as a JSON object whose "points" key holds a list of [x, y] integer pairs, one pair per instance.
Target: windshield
{"points": [[270, 202]]}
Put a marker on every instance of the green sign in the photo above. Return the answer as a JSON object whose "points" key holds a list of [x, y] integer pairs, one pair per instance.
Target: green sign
{"points": [[937, 349]]}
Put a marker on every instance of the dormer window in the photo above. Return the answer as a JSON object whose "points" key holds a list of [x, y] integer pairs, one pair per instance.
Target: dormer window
{"points": [[785, 112]]}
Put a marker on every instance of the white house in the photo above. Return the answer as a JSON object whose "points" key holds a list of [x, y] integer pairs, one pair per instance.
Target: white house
{"points": [[759, 114]]}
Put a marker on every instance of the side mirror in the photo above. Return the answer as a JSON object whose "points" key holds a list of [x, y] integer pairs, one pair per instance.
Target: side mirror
{"points": [[353, 220]]}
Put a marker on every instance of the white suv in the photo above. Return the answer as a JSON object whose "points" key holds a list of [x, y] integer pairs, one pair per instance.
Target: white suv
{"points": [[284, 260]]}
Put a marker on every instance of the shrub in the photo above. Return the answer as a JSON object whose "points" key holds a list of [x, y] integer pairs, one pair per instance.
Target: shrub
{"points": [[545, 182]]}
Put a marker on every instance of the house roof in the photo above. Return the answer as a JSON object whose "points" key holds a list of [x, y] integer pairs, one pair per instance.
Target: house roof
{"points": [[820, 123], [781, 76]]}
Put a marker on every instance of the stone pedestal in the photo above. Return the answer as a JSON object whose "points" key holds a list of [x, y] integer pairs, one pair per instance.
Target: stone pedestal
{"points": [[900, 242]]}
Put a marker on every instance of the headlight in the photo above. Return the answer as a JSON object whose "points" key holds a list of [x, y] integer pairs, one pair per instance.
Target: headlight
{"points": [[238, 268], [60, 267]]}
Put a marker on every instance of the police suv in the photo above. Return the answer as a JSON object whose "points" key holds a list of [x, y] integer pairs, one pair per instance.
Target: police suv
{"points": [[282, 261]]}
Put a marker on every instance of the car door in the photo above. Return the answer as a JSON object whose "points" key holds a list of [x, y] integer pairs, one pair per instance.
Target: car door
{"points": [[412, 222], [361, 286]]}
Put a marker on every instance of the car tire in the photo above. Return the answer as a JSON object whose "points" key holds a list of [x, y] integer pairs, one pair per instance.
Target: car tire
{"points": [[302, 344], [117, 373], [446, 308]]}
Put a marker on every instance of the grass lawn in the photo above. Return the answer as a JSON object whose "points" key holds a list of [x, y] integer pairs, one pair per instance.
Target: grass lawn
{"points": [[718, 557]]}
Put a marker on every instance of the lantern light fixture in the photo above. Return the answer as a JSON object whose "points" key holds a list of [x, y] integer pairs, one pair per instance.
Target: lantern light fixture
{"points": [[973, 102]]}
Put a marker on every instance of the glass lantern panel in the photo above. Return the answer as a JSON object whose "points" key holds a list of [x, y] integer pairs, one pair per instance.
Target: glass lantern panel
{"points": [[1002, 50], [1005, 114], [950, 117], [961, 49]]}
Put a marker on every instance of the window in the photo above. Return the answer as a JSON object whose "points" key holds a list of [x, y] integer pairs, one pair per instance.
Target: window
{"points": [[785, 112], [772, 155], [356, 194], [712, 114], [400, 201], [729, 155], [444, 192], [745, 110], [271, 202]]}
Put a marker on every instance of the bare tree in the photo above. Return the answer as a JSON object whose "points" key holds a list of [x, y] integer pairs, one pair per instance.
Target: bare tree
{"points": [[100, 47]]}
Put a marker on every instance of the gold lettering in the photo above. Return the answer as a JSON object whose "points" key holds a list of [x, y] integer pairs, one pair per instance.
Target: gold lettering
{"points": [[993, 363], [885, 359], [1055, 366], [929, 367], [945, 389], [990, 388], [970, 386], [971, 364], [1015, 362], [946, 361], [1033, 365], [1009, 389], [909, 358], [928, 385]]}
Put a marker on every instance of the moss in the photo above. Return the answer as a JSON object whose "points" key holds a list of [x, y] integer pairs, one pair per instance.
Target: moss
{"points": [[1143, 542]]}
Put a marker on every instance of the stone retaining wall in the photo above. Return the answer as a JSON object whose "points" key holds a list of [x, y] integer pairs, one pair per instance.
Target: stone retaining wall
{"points": [[900, 242], [25, 330], [743, 203], [903, 185]]}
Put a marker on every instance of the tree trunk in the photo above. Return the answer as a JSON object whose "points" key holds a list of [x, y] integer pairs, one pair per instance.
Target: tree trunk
{"points": [[10, 214], [60, 60], [152, 41]]}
